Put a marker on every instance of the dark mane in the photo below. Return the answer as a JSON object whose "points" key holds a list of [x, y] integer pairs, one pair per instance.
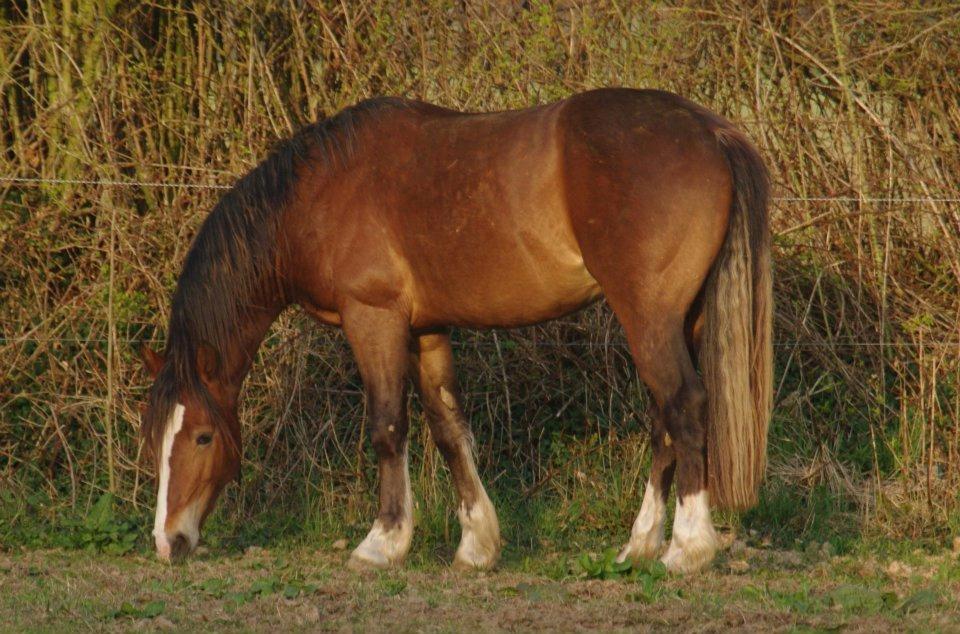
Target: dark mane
{"points": [[231, 263]]}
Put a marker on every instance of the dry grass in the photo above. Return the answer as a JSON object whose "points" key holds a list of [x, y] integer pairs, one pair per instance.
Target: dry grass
{"points": [[857, 101]]}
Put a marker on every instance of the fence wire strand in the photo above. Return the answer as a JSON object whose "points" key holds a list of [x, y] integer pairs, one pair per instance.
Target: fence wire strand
{"points": [[540, 344], [23, 180]]}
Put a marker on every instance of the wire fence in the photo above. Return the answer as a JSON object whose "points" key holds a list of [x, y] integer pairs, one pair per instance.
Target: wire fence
{"points": [[23, 180], [797, 343], [36, 181]]}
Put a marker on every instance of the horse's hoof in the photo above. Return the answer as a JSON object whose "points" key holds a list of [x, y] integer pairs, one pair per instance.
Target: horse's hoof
{"points": [[480, 542], [365, 561], [474, 561], [382, 548], [692, 557], [635, 555], [643, 549]]}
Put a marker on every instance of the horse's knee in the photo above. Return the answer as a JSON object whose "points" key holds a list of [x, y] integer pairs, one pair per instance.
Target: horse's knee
{"points": [[387, 437], [660, 439], [451, 437]]}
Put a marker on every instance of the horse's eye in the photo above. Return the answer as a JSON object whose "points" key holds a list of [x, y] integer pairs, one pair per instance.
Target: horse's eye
{"points": [[204, 439]]}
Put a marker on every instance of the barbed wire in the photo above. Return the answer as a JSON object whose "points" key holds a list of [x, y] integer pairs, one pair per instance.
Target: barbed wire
{"points": [[23, 180]]}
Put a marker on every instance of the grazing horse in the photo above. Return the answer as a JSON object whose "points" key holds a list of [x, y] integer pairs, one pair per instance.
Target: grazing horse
{"points": [[397, 220]]}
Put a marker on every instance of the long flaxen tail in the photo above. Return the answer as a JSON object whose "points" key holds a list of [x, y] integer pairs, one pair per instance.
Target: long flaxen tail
{"points": [[736, 357]]}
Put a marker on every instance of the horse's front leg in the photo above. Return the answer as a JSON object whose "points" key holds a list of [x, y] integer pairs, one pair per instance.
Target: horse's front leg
{"points": [[379, 338]]}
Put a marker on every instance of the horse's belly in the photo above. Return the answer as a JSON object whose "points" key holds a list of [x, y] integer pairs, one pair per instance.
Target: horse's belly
{"points": [[518, 284]]}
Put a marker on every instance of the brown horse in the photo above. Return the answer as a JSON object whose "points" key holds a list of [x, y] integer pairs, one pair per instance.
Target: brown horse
{"points": [[396, 220]]}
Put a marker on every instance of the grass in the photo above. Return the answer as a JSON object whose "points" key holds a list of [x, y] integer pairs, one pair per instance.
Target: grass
{"points": [[585, 502], [799, 562], [273, 571], [294, 585]]}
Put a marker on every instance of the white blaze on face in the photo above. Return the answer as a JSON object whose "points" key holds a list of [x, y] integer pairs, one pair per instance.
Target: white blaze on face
{"points": [[174, 425]]}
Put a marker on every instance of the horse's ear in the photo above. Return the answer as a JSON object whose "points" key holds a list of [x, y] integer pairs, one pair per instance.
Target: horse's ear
{"points": [[152, 360], [208, 361]]}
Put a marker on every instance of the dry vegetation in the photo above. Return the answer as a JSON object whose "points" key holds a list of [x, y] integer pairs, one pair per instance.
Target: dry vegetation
{"points": [[855, 107]]}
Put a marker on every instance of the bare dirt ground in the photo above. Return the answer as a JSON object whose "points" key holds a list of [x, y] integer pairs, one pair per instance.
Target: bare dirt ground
{"points": [[747, 589]]}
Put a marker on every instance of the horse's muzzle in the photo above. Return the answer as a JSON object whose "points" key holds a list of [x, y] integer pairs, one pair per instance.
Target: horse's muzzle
{"points": [[174, 550]]}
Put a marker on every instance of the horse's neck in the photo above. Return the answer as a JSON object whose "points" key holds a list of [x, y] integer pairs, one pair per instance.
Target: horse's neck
{"points": [[242, 350]]}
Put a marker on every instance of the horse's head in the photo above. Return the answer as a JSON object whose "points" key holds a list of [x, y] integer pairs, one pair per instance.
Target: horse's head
{"points": [[193, 433]]}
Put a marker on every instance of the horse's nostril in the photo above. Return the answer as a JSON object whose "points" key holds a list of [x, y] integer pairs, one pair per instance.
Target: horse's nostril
{"points": [[179, 547]]}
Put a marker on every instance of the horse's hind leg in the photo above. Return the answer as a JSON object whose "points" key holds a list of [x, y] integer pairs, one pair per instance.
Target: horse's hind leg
{"points": [[432, 361], [646, 536], [379, 339], [661, 354]]}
